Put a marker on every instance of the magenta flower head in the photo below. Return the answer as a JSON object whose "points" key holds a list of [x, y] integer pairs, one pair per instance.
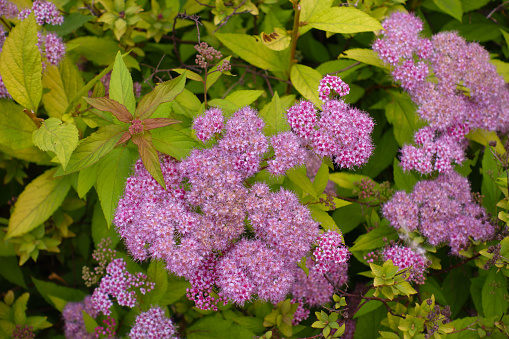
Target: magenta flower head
{"points": [[45, 13], [332, 84], [404, 257], [153, 324], [73, 317], [7, 10], [210, 123]]}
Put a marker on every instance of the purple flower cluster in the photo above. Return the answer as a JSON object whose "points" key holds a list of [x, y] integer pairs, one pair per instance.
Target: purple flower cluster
{"points": [[23, 332], [73, 317], [288, 153], [45, 12], [8, 10], [153, 324], [210, 123], [118, 283], [404, 257], [442, 210], [330, 84], [465, 93], [52, 48], [198, 225], [301, 313], [330, 252], [341, 132]]}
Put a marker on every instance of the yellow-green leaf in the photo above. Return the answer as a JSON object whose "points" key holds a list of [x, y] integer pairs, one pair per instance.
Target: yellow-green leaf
{"points": [[306, 80], [484, 137], [149, 156], [57, 137], [164, 92], [121, 84], [20, 64], [37, 202], [364, 55], [277, 40], [16, 127], [274, 114], [244, 97], [451, 7], [63, 82], [344, 20]]}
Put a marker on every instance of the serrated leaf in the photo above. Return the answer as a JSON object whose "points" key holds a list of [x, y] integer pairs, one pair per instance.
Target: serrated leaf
{"points": [[93, 148], [47, 289], [324, 219], [344, 20], [254, 52], [173, 142], [494, 291], [121, 84], [90, 323], [364, 55], [400, 112], [321, 179], [306, 80], [164, 92], [20, 64], [274, 114], [63, 82], [108, 105], [451, 7], [112, 174], [19, 308], [101, 51], [299, 178], [16, 127], [57, 137], [375, 238], [86, 179], [157, 274], [244, 97], [37, 202], [278, 40], [149, 157]]}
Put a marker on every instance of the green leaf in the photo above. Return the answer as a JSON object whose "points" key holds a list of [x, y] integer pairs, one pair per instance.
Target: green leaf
{"points": [[274, 114], [323, 218], [16, 127], [93, 148], [149, 156], [121, 84], [106, 104], [400, 112], [471, 5], [101, 51], [19, 308], [47, 289], [174, 142], [58, 303], [404, 180], [306, 81], [157, 274], [164, 92], [255, 52], [64, 82], [100, 228], [11, 271], [72, 22], [364, 55], [383, 155], [494, 291], [86, 179], [111, 177], [298, 176], [368, 325], [20, 64], [344, 20], [214, 74], [177, 289], [37, 202], [484, 137], [311, 8], [451, 7], [244, 97], [489, 187], [375, 238], [215, 327], [252, 324], [57, 137], [90, 323], [456, 289], [502, 67], [321, 179]]}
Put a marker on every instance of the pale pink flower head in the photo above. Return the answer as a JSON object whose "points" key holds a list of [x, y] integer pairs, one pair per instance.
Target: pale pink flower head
{"points": [[209, 124], [332, 84], [152, 324], [45, 12]]}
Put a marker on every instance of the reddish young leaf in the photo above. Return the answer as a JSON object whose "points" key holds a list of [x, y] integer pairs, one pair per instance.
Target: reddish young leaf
{"points": [[158, 122], [125, 137], [149, 156], [108, 105]]}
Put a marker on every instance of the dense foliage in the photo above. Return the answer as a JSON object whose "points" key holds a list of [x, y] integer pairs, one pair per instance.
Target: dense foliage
{"points": [[255, 168]]}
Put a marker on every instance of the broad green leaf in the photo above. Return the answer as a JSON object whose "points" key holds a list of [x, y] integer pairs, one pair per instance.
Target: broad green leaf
{"points": [[321, 179], [149, 156], [369, 306], [177, 289], [58, 303], [404, 180], [47, 289], [164, 92], [456, 289], [214, 327], [471, 5], [253, 324], [298, 177], [57, 137], [475, 31], [323, 218], [344, 20], [174, 142], [244, 97], [306, 80], [72, 22], [400, 112], [121, 84], [502, 67], [20, 64], [37, 202], [19, 308], [157, 274], [16, 127], [375, 238], [86, 179], [311, 8], [254, 52], [11, 271], [489, 187], [383, 155], [30, 154], [460, 325], [368, 325], [106, 104], [484, 137], [6, 247], [101, 51], [274, 114], [112, 174], [90, 323], [364, 55], [93, 148], [100, 229], [186, 103], [63, 82], [278, 40], [451, 7]]}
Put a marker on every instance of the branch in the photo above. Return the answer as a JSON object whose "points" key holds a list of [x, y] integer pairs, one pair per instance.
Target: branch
{"points": [[225, 20]]}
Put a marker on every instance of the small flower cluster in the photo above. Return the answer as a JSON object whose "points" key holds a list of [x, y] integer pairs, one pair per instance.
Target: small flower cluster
{"points": [[209, 124], [330, 84], [103, 255], [45, 13], [207, 54], [52, 48], [8, 10], [442, 210], [330, 252], [465, 93], [153, 324], [118, 283], [108, 330], [73, 318], [342, 133], [288, 153], [23, 332], [301, 313]]}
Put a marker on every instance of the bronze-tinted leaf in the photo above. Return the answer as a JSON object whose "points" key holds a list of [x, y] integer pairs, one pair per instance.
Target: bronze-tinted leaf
{"points": [[149, 156], [108, 105], [158, 122]]}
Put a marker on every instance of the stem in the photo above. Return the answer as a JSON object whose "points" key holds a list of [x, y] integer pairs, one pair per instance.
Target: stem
{"points": [[205, 87], [35, 119], [295, 37]]}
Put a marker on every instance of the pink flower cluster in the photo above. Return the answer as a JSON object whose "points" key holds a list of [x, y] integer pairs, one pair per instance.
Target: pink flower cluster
{"points": [[330, 252], [52, 48], [465, 93], [118, 283], [45, 12], [210, 123], [342, 133], [330, 84], [442, 210], [198, 225], [153, 324], [73, 317], [7, 10], [404, 257], [288, 153]]}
